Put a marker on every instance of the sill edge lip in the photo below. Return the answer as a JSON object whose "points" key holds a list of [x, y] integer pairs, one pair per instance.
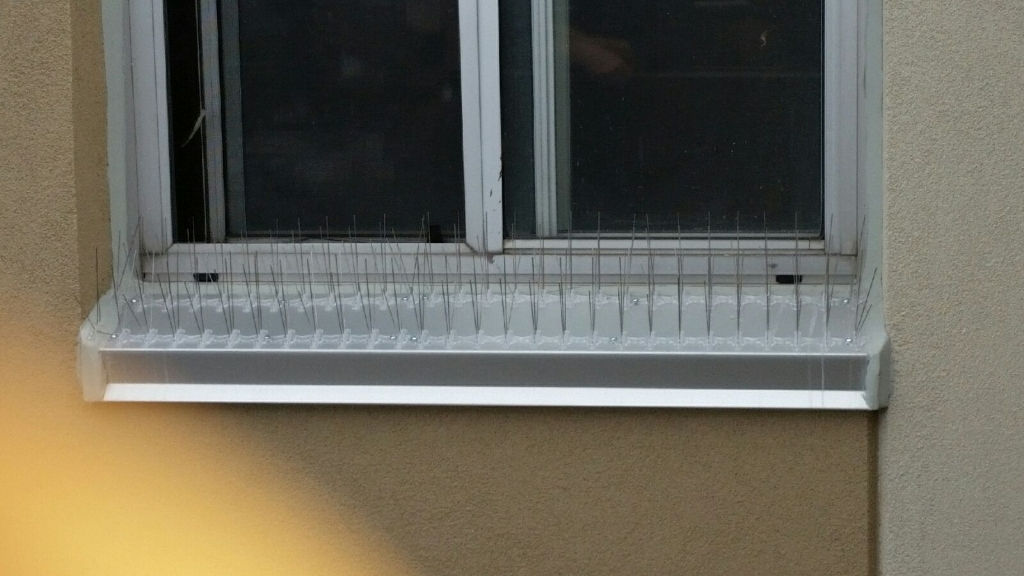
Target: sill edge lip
{"points": [[835, 379], [491, 396], [842, 381]]}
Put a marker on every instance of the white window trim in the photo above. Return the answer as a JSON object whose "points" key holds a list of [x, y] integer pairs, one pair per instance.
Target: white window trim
{"points": [[481, 124], [720, 374], [478, 21], [150, 124]]}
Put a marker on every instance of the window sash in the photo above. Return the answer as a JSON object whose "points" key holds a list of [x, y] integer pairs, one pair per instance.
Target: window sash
{"points": [[151, 129], [155, 365], [481, 98], [481, 124], [843, 57], [719, 262]]}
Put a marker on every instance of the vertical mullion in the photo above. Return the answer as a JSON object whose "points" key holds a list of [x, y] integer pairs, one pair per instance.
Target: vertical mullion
{"points": [[544, 150], [551, 116], [481, 123], [490, 104], [562, 113], [214, 144], [231, 72], [149, 86], [841, 61]]}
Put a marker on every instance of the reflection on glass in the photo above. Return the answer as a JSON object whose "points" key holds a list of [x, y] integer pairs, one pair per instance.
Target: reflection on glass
{"points": [[678, 109], [350, 110]]}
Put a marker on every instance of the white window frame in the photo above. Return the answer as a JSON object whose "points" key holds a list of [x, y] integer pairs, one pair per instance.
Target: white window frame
{"points": [[140, 188], [478, 23], [481, 119]]}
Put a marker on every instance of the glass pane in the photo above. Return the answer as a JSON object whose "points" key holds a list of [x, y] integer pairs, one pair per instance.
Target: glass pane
{"points": [[350, 111], [185, 102], [683, 109], [517, 160]]}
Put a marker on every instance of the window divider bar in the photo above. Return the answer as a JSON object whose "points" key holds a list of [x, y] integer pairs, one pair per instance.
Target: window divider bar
{"points": [[840, 146], [562, 113], [212, 122], [227, 263], [481, 124], [544, 141], [234, 173], [151, 122], [551, 116]]}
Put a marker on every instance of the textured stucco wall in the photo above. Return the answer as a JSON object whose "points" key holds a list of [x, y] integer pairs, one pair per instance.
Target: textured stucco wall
{"points": [[179, 489], [952, 441]]}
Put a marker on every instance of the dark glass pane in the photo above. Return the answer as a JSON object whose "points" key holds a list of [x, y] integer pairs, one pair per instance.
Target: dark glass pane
{"points": [[517, 118], [185, 101], [680, 109], [350, 108]]}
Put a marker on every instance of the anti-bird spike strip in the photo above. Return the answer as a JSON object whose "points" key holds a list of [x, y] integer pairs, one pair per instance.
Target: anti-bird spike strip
{"points": [[402, 303]]}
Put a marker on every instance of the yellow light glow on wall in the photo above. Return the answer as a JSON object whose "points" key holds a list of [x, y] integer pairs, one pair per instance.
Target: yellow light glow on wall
{"points": [[157, 490]]}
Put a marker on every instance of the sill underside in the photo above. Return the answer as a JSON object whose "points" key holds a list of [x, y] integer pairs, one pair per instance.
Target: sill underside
{"points": [[482, 377], [738, 363]]}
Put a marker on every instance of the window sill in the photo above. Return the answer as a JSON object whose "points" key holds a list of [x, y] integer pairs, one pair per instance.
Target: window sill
{"points": [[757, 369]]}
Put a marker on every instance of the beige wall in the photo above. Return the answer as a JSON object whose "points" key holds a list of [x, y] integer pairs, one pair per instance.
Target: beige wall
{"points": [[952, 442], [121, 489]]}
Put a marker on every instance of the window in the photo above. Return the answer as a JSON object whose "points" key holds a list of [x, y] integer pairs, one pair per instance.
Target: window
{"points": [[554, 202]]}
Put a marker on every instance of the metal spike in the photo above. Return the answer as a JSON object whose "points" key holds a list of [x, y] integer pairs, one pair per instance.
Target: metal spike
{"points": [[335, 294], [739, 282], [679, 280], [259, 294], [279, 296], [650, 279], [458, 259], [629, 252], [312, 302], [430, 250], [115, 285], [511, 298], [177, 288], [860, 324], [767, 285], [367, 308], [621, 300], [396, 319], [221, 300], [796, 272], [473, 295], [867, 306], [475, 305], [128, 305], [416, 298], [192, 306], [544, 265], [142, 299], [860, 271], [503, 288], [198, 286], [534, 298], [827, 293], [231, 293], [598, 274], [164, 299], [570, 253], [446, 301], [708, 283], [248, 293], [561, 296], [96, 278], [592, 303]]}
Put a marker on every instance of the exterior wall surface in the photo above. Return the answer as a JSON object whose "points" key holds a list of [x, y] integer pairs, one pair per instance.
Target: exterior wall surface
{"points": [[952, 440], [182, 489]]}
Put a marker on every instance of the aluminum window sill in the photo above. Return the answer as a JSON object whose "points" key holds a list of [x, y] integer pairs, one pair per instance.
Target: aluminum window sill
{"points": [[132, 356]]}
